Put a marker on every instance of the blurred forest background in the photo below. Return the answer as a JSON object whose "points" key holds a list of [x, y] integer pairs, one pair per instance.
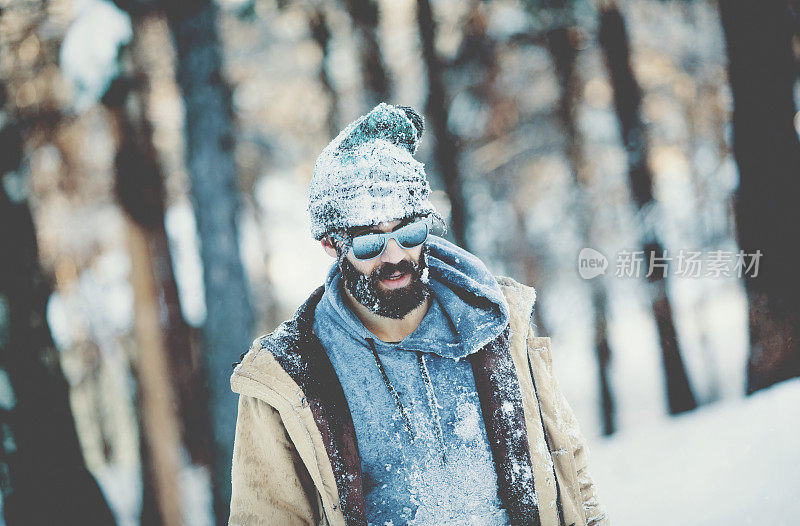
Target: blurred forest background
{"points": [[155, 157]]}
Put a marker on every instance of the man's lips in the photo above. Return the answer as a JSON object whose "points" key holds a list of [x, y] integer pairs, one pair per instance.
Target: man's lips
{"points": [[397, 280]]}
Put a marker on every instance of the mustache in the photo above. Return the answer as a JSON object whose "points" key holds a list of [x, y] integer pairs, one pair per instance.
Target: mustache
{"points": [[387, 269]]}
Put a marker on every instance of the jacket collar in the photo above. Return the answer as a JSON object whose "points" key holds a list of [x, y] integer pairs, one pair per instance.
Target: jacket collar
{"points": [[299, 352]]}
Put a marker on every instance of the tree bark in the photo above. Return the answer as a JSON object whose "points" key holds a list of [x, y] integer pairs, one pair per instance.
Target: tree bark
{"points": [[212, 172], [436, 108], [614, 42], [43, 476], [767, 151]]}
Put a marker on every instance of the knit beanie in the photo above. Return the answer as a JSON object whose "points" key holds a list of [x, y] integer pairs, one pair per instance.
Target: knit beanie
{"points": [[368, 175]]}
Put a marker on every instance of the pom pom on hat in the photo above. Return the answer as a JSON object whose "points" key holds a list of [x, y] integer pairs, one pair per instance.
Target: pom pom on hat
{"points": [[401, 128], [368, 174]]}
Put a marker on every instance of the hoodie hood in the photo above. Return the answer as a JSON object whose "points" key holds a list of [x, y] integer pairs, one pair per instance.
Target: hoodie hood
{"points": [[468, 309]]}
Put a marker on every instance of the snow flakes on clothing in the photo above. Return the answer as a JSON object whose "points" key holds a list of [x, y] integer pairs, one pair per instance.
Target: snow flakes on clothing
{"points": [[281, 344], [455, 492]]}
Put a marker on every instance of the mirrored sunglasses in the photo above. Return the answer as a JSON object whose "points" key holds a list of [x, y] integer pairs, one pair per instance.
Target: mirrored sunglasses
{"points": [[370, 246]]}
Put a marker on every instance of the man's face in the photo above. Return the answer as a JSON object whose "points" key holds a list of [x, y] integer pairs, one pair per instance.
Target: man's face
{"points": [[391, 285]]}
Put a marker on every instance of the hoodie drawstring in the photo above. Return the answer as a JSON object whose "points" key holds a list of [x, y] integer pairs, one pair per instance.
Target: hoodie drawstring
{"points": [[430, 395], [394, 394], [433, 404]]}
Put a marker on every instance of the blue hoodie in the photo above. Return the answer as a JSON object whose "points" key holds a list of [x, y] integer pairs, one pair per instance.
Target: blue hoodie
{"points": [[443, 473]]}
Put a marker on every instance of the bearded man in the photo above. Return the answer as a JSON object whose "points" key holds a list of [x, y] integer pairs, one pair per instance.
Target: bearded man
{"points": [[410, 388]]}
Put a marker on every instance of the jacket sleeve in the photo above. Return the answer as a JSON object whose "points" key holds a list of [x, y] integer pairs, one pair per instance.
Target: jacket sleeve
{"points": [[593, 509], [270, 484]]}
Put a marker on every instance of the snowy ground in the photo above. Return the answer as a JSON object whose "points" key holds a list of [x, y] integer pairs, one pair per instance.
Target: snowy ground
{"points": [[732, 463]]}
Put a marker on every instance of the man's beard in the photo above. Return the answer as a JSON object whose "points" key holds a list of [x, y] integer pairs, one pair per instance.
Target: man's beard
{"points": [[391, 303]]}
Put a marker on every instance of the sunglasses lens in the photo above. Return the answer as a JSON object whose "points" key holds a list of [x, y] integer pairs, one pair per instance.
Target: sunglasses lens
{"points": [[368, 246], [413, 235]]}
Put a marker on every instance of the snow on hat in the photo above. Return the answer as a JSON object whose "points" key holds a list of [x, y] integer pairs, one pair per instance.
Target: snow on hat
{"points": [[368, 175]]}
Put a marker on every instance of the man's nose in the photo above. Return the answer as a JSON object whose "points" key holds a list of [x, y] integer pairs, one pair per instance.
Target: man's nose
{"points": [[393, 252]]}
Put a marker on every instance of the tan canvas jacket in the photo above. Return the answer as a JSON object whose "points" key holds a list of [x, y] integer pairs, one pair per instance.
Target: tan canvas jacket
{"points": [[295, 459]]}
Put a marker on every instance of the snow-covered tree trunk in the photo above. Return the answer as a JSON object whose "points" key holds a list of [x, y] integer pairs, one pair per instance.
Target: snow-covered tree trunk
{"points": [[762, 77], [562, 44], [43, 477], [212, 171], [615, 45], [436, 109]]}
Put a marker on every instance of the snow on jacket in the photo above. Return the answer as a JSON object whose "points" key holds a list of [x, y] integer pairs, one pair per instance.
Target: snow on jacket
{"points": [[429, 462], [296, 457]]}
